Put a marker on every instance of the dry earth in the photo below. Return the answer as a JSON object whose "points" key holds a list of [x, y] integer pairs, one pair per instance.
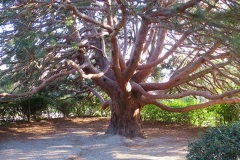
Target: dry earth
{"points": [[84, 139]]}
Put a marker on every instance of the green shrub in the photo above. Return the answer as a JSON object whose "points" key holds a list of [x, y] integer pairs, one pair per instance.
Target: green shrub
{"points": [[153, 113], [89, 105], [211, 116], [34, 106], [65, 106], [10, 111], [220, 143], [228, 113]]}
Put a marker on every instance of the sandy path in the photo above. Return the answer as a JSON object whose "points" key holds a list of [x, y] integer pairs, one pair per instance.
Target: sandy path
{"points": [[86, 141]]}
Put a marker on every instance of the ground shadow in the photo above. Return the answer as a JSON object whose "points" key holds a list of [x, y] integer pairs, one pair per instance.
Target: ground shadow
{"points": [[84, 138]]}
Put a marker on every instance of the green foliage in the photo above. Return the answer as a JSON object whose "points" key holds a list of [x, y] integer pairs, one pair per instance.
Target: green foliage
{"points": [[215, 115], [211, 116], [5, 84], [235, 42], [82, 105], [85, 106], [75, 46], [53, 42], [65, 106], [220, 143], [89, 106], [69, 21], [162, 71], [225, 23], [152, 113], [34, 106], [9, 111], [228, 113]]}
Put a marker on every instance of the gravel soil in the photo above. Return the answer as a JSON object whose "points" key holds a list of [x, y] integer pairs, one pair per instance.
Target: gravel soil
{"points": [[84, 139]]}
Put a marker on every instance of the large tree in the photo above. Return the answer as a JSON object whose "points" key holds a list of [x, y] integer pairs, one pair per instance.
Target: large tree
{"points": [[120, 45]]}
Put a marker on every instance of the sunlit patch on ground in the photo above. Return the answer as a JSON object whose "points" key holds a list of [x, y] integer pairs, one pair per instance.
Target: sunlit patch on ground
{"points": [[84, 138]]}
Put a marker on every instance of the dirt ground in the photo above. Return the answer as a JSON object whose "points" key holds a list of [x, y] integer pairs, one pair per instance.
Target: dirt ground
{"points": [[84, 139]]}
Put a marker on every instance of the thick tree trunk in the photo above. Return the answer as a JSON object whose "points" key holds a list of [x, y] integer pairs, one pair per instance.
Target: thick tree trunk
{"points": [[125, 118]]}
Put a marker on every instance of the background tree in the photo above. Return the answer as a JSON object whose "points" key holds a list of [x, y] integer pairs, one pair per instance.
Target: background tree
{"points": [[117, 45], [34, 106]]}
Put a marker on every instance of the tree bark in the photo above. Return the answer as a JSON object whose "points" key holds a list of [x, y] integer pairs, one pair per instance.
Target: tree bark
{"points": [[125, 117]]}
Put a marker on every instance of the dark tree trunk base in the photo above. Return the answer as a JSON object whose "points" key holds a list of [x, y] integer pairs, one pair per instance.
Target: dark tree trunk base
{"points": [[126, 121], [128, 132]]}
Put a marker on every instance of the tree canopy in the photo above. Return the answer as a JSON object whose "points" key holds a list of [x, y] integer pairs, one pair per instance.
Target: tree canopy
{"points": [[137, 52]]}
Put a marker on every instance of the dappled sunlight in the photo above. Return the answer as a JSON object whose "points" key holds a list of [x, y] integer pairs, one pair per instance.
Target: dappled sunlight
{"points": [[84, 139], [145, 157], [139, 156], [116, 147], [37, 149]]}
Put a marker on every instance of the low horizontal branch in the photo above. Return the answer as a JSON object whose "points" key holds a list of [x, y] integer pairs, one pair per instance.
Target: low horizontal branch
{"points": [[38, 88], [193, 107]]}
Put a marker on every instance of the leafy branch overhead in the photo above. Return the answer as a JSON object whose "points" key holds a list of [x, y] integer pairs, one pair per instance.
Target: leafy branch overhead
{"points": [[137, 52]]}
